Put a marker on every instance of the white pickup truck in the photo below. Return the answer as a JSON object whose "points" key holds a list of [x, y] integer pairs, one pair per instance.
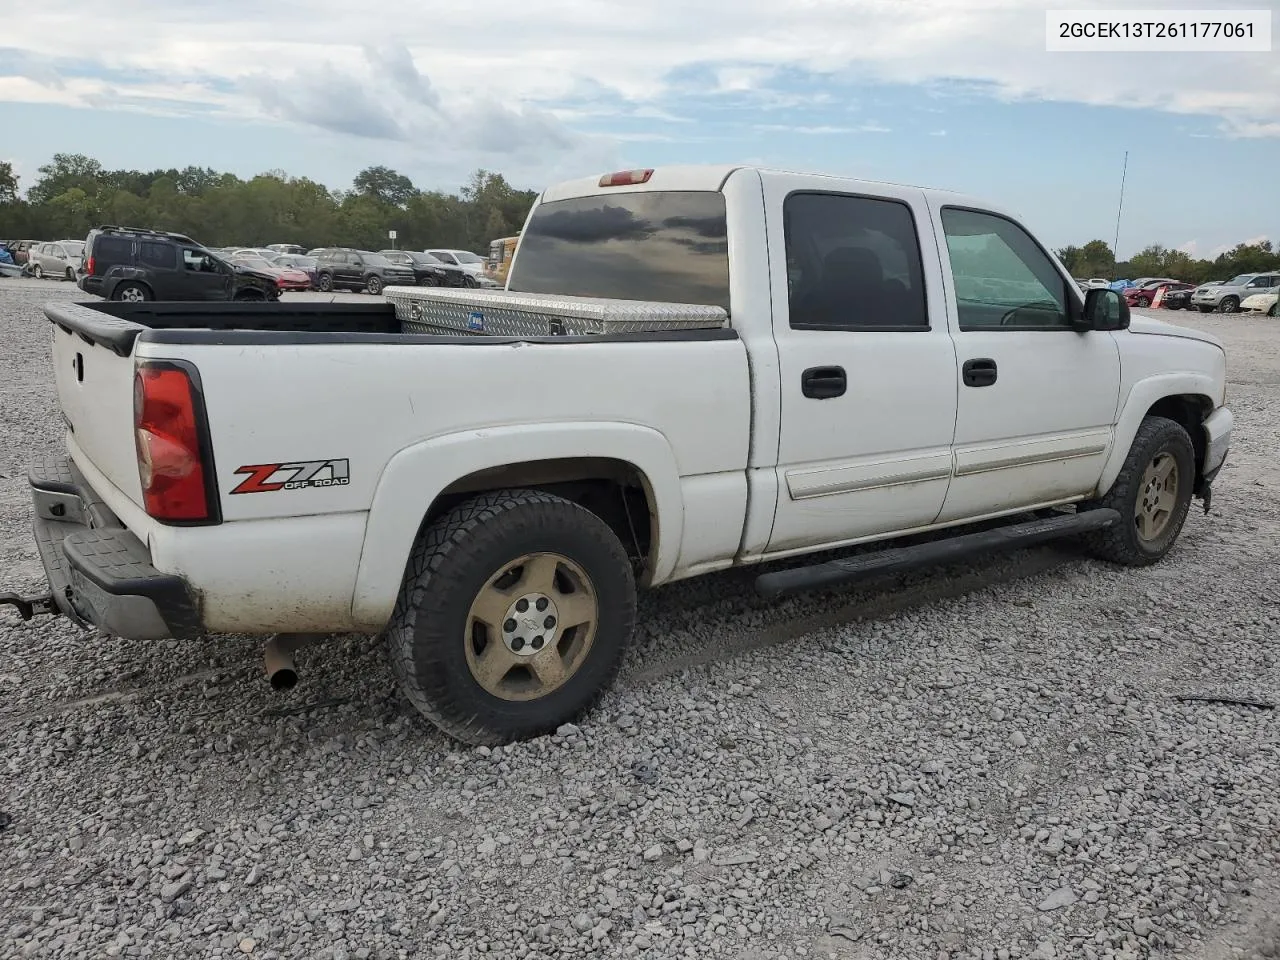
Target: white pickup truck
{"points": [[893, 361]]}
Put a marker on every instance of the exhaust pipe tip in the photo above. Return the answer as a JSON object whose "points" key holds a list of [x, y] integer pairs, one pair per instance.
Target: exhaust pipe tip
{"points": [[277, 660]]}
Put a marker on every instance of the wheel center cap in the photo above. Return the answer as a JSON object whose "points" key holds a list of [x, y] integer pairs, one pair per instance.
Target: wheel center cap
{"points": [[531, 624]]}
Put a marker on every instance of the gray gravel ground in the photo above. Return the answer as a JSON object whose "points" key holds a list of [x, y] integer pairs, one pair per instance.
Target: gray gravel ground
{"points": [[986, 761]]}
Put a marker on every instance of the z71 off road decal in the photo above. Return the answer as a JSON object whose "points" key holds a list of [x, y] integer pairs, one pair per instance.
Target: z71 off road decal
{"points": [[270, 477]]}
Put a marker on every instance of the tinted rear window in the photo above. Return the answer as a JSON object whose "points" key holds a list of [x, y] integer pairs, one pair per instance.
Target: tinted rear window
{"points": [[113, 249], [666, 246]]}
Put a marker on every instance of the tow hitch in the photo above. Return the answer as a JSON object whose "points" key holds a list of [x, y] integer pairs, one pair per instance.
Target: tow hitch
{"points": [[29, 607]]}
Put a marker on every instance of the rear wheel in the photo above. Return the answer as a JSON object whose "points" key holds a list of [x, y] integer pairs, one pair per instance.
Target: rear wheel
{"points": [[1152, 495], [71, 275], [1275, 310], [374, 285], [131, 293], [513, 616]]}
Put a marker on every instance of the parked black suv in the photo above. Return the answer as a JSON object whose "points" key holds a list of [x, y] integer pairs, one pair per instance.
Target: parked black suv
{"points": [[430, 271], [342, 267], [133, 263]]}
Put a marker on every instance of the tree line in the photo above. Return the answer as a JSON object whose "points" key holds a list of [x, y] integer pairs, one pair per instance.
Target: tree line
{"points": [[73, 193], [1096, 259]]}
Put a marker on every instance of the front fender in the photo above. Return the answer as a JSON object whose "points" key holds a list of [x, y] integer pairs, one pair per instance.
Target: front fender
{"points": [[415, 477], [1141, 398]]}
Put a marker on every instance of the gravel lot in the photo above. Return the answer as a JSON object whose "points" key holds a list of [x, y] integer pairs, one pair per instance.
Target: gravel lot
{"points": [[986, 761]]}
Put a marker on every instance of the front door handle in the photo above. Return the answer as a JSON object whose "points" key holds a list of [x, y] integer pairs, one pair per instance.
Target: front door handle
{"points": [[823, 383], [980, 372]]}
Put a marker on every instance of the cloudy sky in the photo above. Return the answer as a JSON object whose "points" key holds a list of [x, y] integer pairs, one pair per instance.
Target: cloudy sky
{"points": [[951, 93]]}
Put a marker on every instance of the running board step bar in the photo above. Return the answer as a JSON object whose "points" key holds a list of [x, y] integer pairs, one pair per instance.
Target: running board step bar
{"points": [[900, 559]]}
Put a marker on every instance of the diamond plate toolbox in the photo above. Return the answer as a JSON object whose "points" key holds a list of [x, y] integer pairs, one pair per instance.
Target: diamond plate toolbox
{"points": [[499, 313]]}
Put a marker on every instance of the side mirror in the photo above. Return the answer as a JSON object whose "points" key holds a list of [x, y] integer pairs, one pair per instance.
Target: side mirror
{"points": [[1105, 310]]}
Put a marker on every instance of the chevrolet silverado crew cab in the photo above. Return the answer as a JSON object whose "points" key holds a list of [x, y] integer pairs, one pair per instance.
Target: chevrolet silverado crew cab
{"points": [[737, 366]]}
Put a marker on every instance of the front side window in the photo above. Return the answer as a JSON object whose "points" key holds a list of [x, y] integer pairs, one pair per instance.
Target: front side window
{"points": [[853, 263], [658, 245], [1002, 278]]}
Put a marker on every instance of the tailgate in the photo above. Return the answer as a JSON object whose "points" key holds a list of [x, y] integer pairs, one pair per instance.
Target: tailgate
{"points": [[93, 370]]}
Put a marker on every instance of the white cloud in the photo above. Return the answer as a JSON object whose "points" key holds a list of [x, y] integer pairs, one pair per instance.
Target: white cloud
{"points": [[457, 80], [1189, 248]]}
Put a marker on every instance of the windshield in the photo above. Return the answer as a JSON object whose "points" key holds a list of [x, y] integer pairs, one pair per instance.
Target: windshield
{"points": [[426, 258], [1239, 281], [74, 247], [465, 256], [668, 246], [376, 259], [257, 263]]}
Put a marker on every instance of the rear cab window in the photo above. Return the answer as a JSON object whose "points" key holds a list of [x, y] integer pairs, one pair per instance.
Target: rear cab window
{"points": [[665, 246]]}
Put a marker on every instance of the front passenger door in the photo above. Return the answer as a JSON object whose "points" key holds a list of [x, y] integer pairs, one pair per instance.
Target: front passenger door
{"points": [[1038, 398]]}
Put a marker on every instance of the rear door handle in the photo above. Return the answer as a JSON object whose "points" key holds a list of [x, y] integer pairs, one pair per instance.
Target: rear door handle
{"points": [[823, 383], [980, 372]]}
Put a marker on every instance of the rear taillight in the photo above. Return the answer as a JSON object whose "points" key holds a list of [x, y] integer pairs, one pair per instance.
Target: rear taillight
{"points": [[625, 178], [173, 464], [89, 267]]}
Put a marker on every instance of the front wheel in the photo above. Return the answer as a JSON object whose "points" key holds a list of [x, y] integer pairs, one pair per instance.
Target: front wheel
{"points": [[1144, 302], [513, 617], [325, 283], [1229, 305], [37, 272], [469, 281], [374, 285], [1152, 495]]}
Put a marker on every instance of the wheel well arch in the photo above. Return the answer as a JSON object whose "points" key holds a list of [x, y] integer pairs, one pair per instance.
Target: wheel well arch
{"points": [[1189, 410], [616, 491], [126, 281]]}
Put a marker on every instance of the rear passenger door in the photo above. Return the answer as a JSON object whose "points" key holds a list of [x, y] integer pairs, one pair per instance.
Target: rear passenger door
{"points": [[159, 261], [868, 371]]}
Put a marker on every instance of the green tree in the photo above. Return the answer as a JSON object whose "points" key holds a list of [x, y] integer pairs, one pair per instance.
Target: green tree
{"points": [[64, 172], [8, 183], [385, 185]]}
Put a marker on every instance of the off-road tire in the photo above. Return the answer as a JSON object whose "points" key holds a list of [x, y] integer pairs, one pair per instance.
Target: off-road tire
{"points": [[451, 561], [373, 285], [1120, 543]]}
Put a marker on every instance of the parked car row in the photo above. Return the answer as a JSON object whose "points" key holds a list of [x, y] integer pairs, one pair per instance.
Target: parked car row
{"points": [[1247, 293]]}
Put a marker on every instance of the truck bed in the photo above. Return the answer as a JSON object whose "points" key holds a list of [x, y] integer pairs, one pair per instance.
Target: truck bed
{"points": [[117, 325]]}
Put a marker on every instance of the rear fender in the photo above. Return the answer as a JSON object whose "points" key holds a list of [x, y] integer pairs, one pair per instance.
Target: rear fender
{"points": [[416, 476]]}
